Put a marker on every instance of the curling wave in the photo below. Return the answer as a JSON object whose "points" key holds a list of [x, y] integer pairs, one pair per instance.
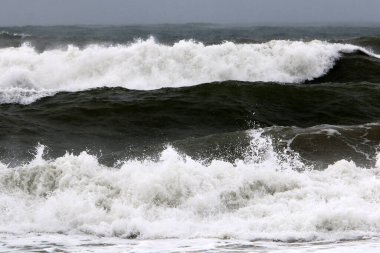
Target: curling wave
{"points": [[26, 74]]}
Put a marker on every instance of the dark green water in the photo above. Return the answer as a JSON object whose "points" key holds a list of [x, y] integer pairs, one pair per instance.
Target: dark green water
{"points": [[116, 123]]}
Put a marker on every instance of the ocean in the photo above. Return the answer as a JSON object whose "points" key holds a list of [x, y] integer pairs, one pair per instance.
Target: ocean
{"points": [[189, 138]]}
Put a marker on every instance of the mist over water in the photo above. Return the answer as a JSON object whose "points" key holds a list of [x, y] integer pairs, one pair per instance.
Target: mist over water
{"points": [[189, 132]]}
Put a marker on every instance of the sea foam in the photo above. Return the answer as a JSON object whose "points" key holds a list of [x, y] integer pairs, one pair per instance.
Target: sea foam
{"points": [[269, 195], [26, 74]]}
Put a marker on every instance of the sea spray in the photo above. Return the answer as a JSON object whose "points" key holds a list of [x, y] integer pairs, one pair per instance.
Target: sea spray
{"points": [[26, 74], [264, 197]]}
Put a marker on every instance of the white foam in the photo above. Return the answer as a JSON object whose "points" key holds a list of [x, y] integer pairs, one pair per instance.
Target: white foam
{"points": [[264, 197], [22, 35], [26, 74], [87, 243]]}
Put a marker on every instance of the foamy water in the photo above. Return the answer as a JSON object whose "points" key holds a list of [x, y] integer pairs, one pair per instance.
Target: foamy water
{"points": [[316, 97], [269, 196], [86, 243], [26, 74]]}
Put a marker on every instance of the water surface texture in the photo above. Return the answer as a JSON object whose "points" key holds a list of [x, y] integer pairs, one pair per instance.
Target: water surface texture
{"points": [[189, 138]]}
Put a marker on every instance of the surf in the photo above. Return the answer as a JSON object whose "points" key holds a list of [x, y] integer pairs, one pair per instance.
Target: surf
{"points": [[27, 75], [269, 195]]}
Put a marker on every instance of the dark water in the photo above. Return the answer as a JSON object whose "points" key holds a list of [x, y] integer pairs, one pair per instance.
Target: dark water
{"points": [[121, 122], [215, 138], [207, 120], [58, 36]]}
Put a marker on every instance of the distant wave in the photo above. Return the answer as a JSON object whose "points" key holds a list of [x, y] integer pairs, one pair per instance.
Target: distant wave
{"points": [[370, 42], [146, 65], [9, 35]]}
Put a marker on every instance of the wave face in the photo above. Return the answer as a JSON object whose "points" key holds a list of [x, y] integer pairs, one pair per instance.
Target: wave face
{"points": [[26, 74], [128, 123]]}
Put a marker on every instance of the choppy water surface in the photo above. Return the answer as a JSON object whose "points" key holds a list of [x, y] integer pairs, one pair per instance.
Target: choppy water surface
{"points": [[189, 138]]}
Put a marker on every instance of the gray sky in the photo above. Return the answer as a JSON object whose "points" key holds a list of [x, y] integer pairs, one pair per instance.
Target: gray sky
{"points": [[53, 12]]}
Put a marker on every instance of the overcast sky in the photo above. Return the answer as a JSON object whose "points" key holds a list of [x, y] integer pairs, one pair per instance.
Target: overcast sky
{"points": [[53, 12]]}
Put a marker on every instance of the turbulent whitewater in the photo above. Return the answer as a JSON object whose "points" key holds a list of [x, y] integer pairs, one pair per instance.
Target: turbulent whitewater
{"points": [[268, 196], [26, 74], [189, 138]]}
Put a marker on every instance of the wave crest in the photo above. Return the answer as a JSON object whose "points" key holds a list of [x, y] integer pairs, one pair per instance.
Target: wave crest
{"points": [[264, 197], [146, 65], [9, 35]]}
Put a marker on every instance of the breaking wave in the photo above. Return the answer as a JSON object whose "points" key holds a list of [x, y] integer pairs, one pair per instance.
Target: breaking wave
{"points": [[26, 74], [8, 35], [268, 195]]}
